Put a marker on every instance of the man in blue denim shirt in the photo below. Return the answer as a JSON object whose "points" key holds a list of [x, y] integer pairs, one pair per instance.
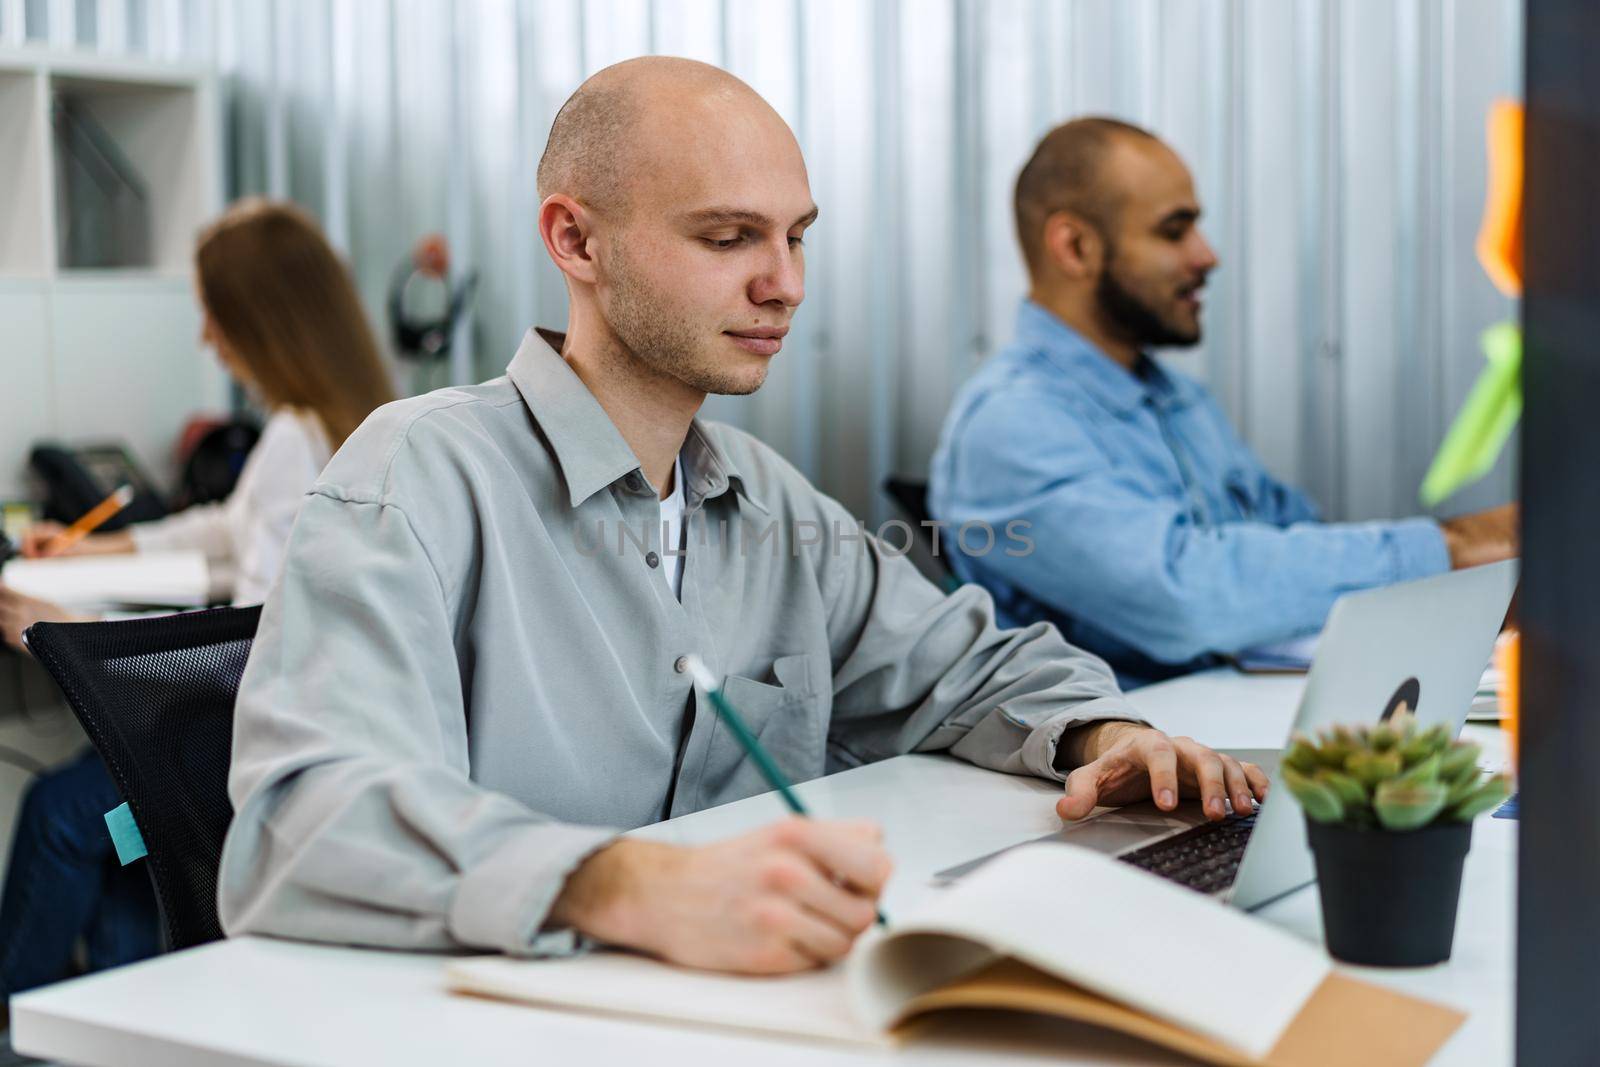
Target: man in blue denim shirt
{"points": [[1160, 541]]}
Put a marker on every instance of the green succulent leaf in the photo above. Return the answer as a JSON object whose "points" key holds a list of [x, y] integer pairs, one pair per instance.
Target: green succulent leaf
{"points": [[1464, 786], [1321, 803], [1466, 777], [1352, 794], [1458, 759], [1491, 794], [1384, 737], [1302, 756], [1426, 771], [1408, 806], [1337, 746], [1373, 767], [1420, 746]]}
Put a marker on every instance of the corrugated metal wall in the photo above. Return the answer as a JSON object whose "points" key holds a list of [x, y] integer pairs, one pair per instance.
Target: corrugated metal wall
{"points": [[1337, 144]]}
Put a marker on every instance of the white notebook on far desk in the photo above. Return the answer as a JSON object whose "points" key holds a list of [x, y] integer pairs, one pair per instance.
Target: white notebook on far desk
{"points": [[156, 579]]}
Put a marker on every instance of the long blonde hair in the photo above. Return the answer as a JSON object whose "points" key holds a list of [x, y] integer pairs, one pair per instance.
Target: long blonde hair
{"points": [[289, 311]]}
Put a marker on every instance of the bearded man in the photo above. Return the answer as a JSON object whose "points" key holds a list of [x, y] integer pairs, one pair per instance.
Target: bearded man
{"points": [[1160, 541]]}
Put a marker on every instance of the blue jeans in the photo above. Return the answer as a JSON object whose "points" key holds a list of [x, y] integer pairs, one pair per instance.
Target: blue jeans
{"points": [[64, 882]]}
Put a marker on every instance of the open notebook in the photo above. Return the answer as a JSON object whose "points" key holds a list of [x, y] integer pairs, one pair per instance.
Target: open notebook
{"points": [[1049, 928], [165, 579]]}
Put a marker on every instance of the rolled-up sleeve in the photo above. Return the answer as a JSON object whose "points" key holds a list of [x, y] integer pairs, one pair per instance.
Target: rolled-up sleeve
{"points": [[356, 819], [918, 670]]}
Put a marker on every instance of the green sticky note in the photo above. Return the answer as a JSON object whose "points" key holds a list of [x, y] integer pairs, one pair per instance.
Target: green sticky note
{"points": [[1485, 421], [125, 835]]}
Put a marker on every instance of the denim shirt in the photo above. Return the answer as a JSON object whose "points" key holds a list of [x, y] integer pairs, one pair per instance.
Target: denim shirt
{"points": [[1159, 539]]}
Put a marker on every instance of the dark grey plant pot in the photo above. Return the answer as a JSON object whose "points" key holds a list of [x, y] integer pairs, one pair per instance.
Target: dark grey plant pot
{"points": [[1389, 899]]}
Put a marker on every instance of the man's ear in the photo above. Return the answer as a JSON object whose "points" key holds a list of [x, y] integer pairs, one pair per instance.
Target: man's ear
{"points": [[1072, 246], [566, 227]]}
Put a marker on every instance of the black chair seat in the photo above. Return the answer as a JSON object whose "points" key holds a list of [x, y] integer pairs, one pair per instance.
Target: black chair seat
{"points": [[156, 698]]}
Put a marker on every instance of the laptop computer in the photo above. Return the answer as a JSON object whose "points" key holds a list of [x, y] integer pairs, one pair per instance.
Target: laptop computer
{"points": [[1421, 645]]}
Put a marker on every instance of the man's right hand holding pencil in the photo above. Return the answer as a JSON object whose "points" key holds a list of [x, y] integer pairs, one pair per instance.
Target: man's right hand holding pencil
{"points": [[787, 897], [797, 894]]}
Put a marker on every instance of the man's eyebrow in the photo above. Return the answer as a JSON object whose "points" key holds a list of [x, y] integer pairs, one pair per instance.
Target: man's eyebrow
{"points": [[723, 216], [1180, 214]]}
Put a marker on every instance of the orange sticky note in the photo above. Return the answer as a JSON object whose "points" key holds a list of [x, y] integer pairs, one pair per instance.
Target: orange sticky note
{"points": [[1508, 657], [1500, 236]]}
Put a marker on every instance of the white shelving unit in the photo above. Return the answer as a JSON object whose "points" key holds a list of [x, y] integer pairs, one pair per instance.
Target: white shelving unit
{"points": [[91, 355], [103, 354]]}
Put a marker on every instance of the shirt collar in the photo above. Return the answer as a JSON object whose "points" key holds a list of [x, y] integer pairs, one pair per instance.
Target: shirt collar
{"points": [[589, 449], [1118, 389]]}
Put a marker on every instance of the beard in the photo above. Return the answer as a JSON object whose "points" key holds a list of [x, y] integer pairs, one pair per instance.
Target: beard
{"points": [[1135, 318], [663, 338]]}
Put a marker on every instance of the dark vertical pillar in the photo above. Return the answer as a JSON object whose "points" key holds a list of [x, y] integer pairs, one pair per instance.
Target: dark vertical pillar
{"points": [[1558, 919]]}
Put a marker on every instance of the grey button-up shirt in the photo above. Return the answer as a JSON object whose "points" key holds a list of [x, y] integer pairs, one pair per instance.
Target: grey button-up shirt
{"points": [[469, 675]]}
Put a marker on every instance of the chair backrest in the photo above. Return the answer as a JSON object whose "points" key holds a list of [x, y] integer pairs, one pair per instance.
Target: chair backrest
{"points": [[912, 498], [156, 698]]}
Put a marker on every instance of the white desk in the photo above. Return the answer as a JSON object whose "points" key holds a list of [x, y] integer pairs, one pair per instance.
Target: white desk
{"points": [[256, 1001]]}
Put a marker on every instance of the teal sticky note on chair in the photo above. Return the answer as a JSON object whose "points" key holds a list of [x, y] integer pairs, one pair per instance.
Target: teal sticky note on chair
{"points": [[125, 834]]}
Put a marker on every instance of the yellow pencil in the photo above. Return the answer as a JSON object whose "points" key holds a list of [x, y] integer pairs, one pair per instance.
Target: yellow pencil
{"points": [[89, 521]]}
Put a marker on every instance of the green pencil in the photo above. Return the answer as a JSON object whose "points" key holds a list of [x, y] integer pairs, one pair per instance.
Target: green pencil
{"points": [[735, 723]]}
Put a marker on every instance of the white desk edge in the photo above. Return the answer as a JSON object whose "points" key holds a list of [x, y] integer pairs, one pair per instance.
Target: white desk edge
{"points": [[257, 1001]]}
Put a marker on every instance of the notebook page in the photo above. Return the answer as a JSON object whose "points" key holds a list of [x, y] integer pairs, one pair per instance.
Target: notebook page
{"points": [[179, 579], [812, 1004]]}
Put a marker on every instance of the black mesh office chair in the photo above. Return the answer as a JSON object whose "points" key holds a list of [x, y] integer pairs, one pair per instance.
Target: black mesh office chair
{"points": [[156, 698]]}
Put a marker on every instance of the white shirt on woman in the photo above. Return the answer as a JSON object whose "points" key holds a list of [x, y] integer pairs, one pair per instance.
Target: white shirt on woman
{"points": [[243, 537]]}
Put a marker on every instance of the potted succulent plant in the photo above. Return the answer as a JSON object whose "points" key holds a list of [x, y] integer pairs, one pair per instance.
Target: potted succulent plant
{"points": [[1389, 812]]}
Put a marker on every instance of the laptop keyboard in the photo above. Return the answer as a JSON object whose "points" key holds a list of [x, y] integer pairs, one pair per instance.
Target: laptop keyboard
{"points": [[1205, 857]]}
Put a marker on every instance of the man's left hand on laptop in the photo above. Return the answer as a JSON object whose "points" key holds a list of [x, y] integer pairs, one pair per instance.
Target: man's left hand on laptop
{"points": [[1121, 762]]}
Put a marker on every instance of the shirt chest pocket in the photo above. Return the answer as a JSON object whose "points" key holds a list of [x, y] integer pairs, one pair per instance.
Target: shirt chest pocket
{"points": [[790, 719]]}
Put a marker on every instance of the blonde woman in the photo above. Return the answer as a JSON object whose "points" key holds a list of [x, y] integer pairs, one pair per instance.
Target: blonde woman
{"points": [[282, 314]]}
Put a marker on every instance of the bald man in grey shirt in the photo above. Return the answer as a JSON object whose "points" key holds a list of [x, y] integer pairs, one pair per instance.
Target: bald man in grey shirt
{"points": [[471, 676]]}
